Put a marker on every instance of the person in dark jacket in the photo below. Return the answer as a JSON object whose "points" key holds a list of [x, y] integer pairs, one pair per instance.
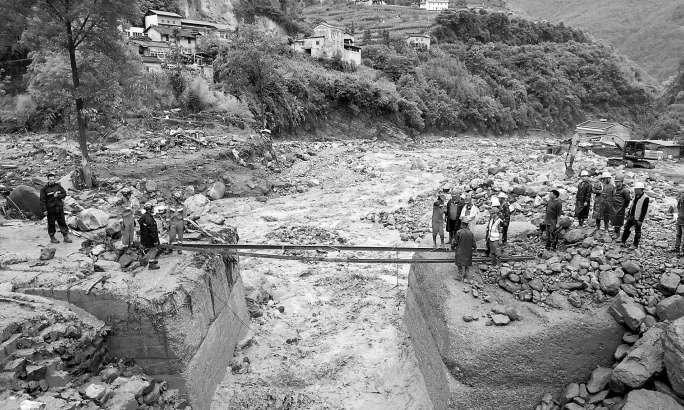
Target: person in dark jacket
{"points": [[636, 213], [505, 215], [620, 201], [679, 243], [464, 245], [149, 234], [51, 202], [605, 201], [554, 209], [583, 198], [453, 215]]}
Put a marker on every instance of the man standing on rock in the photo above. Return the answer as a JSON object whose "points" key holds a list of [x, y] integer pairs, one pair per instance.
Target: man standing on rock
{"points": [[177, 219], [464, 245], [149, 235], [51, 202], [679, 242], [453, 215], [636, 213], [620, 201], [438, 221], [605, 201], [493, 234], [583, 198], [505, 213], [554, 209]]}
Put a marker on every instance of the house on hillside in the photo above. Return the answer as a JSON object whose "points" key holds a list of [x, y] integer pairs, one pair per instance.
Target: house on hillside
{"points": [[419, 40], [610, 133], [162, 18], [185, 38], [328, 41], [434, 5]]}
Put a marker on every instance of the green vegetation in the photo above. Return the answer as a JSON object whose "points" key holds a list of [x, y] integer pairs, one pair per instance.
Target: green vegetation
{"points": [[648, 32]]}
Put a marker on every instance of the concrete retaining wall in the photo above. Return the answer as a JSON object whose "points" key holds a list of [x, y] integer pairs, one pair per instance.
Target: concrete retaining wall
{"points": [[474, 366], [186, 335]]}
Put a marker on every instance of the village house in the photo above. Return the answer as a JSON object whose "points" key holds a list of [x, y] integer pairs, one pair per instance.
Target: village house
{"points": [[418, 40], [604, 131], [328, 42], [434, 5]]}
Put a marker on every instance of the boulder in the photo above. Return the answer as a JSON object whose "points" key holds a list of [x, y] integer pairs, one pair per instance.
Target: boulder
{"points": [[673, 346], [197, 205], [669, 281], [648, 399], [501, 320], [578, 261], [217, 190], [671, 308], [645, 359], [26, 199], [599, 379], [631, 267], [91, 219], [610, 282], [47, 254], [626, 311]]}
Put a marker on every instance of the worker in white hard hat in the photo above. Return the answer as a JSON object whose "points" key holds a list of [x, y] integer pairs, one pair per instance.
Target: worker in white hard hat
{"points": [[505, 215], [493, 234], [636, 214], [604, 206], [583, 198]]}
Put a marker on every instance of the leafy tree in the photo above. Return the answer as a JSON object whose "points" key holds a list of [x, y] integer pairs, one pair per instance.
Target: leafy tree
{"points": [[69, 27]]}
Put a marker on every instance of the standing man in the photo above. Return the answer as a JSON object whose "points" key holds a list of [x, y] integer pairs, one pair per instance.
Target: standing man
{"points": [[505, 212], [438, 221], [177, 219], [583, 198], [469, 210], [554, 209], [149, 234], [51, 201], [453, 216], [620, 201], [679, 243], [605, 204], [493, 235], [464, 245], [636, 213]]}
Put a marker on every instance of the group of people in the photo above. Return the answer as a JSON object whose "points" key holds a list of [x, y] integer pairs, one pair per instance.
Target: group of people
{"points": [[52, 205], [456, 211], [613, 205]]}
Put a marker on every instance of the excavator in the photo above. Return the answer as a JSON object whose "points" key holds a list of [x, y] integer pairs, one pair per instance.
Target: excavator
{"points": [[633, 155]]}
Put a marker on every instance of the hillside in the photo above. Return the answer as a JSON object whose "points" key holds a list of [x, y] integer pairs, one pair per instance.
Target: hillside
{"points": [[649, 32]]}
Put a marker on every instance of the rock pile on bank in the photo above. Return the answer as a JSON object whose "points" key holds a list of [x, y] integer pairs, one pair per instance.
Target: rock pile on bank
{"points": [[53, 356]]}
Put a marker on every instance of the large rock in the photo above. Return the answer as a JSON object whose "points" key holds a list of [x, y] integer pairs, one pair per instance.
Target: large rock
{"points": [[652, 400], [599, 379], [575, 235], [197, 205], [26, 199], [626, 311], [673, 346], [476, 366], [610, 282], [217, 190], [645, 359], [669, 281], [631, 267], [671, 308], [91, 219]]}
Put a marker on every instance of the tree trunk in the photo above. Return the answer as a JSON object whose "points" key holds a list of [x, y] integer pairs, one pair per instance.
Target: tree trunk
{"points": [[82, 141]]}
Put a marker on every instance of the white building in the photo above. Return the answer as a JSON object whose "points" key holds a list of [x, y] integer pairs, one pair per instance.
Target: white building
{"points": [[162, 18], [328, 42], [435, 5]]}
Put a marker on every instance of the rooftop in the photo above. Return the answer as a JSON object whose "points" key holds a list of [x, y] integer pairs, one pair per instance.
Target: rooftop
{"points": [[599, 125], [150, 43], [170, 31], [164, 13]]}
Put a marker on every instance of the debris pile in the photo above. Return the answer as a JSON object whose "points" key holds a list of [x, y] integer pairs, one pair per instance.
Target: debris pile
{"points": [[53, 356], [306, 235]]}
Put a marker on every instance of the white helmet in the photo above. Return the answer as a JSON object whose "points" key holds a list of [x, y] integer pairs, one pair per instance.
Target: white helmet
{"points": [[639, 185], [502, 195], [606, 174], [495, 201], [584, 173]]}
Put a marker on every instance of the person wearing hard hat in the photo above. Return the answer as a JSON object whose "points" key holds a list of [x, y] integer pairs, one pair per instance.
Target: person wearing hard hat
{"points": [[636, 213], [464, 245], [176, 219], [554, 209], [493, 232], [620, 201], [149, 234], [679, 243], [505, 214], [583, 198], [453, 214], [469, 210], [605, 201], [52, 203], [438, 220]]}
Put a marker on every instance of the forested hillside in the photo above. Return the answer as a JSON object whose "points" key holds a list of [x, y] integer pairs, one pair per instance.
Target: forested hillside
{"points": [[649, 32]]}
